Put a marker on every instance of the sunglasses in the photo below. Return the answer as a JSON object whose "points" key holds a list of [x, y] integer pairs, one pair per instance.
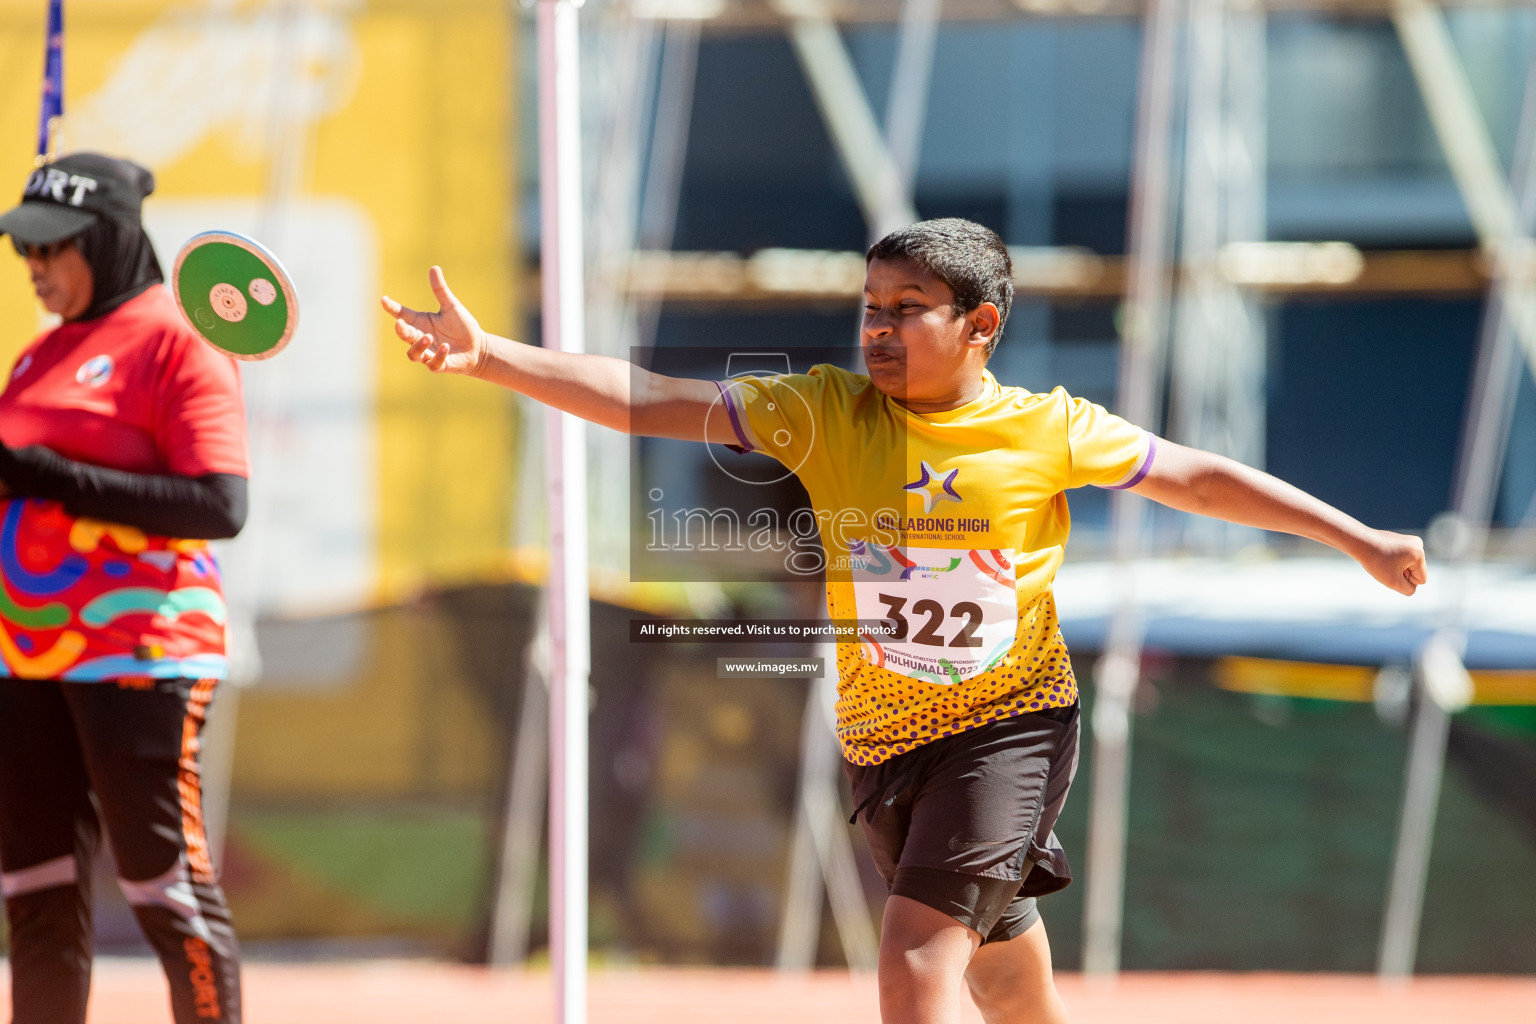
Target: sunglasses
{"points": [[40, 252]]}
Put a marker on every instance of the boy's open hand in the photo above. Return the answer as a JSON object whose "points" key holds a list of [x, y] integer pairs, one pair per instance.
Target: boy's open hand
{"points": [[1395, 559], [448, 341]]}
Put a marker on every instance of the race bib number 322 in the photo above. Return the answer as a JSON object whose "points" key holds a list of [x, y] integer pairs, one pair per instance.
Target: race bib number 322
{"points": [[950, 613]]}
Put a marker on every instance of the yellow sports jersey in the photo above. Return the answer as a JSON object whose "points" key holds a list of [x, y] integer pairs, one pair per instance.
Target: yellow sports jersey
{"points": [[947, 528]]}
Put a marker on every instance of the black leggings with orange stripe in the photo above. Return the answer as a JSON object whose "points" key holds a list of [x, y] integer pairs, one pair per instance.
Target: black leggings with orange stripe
{"points": [[128, 749]]}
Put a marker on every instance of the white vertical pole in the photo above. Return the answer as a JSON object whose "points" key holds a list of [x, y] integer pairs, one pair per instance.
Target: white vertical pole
{"points": [[527, 800], [822, 860], [560, 188], [1415, 834]]}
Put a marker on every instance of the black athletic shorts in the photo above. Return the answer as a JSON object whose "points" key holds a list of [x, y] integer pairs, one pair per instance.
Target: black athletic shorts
{"points": [[964, 824]]}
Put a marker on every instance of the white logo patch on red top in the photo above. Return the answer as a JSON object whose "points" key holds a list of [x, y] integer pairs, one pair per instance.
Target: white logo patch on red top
{"points": [[23, 366], [95, 372]]}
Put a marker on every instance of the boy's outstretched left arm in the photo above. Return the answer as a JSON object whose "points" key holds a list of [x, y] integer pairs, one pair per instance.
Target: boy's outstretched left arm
{"points": [[1213, 485]]}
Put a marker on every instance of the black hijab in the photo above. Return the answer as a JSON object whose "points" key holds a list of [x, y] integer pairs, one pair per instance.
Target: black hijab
{"points": [[122, 263]]}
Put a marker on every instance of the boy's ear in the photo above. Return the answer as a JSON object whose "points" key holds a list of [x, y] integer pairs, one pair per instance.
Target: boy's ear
{"points": [[984, 321]]}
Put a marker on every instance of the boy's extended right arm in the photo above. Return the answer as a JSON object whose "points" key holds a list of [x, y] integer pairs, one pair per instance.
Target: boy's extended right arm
{"points": [[602, 389]]}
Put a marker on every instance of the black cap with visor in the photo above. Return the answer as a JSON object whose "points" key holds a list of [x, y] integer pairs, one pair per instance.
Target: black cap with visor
{"points": [[63, 198], [96, 201]]}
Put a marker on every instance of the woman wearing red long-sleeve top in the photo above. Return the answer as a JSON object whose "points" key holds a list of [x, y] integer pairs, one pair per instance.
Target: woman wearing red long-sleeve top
{"points": [[122, 451]]}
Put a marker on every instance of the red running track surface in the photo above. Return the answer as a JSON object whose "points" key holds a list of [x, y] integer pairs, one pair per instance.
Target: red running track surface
{"points": [[415, 992]]}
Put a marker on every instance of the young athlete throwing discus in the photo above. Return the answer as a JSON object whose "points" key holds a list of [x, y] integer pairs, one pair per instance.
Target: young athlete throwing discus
{"points": [[941, 495]]}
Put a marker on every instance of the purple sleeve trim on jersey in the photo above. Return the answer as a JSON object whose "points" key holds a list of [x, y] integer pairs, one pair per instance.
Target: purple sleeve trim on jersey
{"points": [[730, 408], [1146, 466]]}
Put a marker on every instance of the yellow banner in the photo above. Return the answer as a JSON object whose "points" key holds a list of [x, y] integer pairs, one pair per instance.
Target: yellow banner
{"points": [[362, 142]]}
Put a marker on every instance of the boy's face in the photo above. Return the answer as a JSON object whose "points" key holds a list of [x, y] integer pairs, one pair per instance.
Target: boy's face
{"points": [[915, 348]]}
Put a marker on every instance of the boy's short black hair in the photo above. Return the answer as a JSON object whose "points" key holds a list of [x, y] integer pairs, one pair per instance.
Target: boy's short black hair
{"points": [[968, 257]]}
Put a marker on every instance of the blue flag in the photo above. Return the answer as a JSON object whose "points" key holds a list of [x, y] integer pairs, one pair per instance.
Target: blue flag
{"points": [[53, 76]]}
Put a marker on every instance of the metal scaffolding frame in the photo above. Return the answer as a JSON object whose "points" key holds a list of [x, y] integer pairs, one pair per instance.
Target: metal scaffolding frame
{"points": [[1216, 394], [882, 189], [1503, 219], [1142, 365], [1503, 226], [906, 106], [819, 278]]}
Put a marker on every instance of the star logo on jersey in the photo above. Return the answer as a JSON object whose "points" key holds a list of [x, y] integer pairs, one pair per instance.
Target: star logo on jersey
{"points": [[934, 487], [93, 373]]}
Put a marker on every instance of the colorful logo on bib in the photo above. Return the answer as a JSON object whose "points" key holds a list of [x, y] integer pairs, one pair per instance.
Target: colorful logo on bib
{"points": [[95, 372], [934, 487]]}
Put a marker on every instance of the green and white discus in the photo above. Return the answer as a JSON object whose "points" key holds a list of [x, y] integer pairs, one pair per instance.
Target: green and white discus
{"points": [[235, 294]]}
